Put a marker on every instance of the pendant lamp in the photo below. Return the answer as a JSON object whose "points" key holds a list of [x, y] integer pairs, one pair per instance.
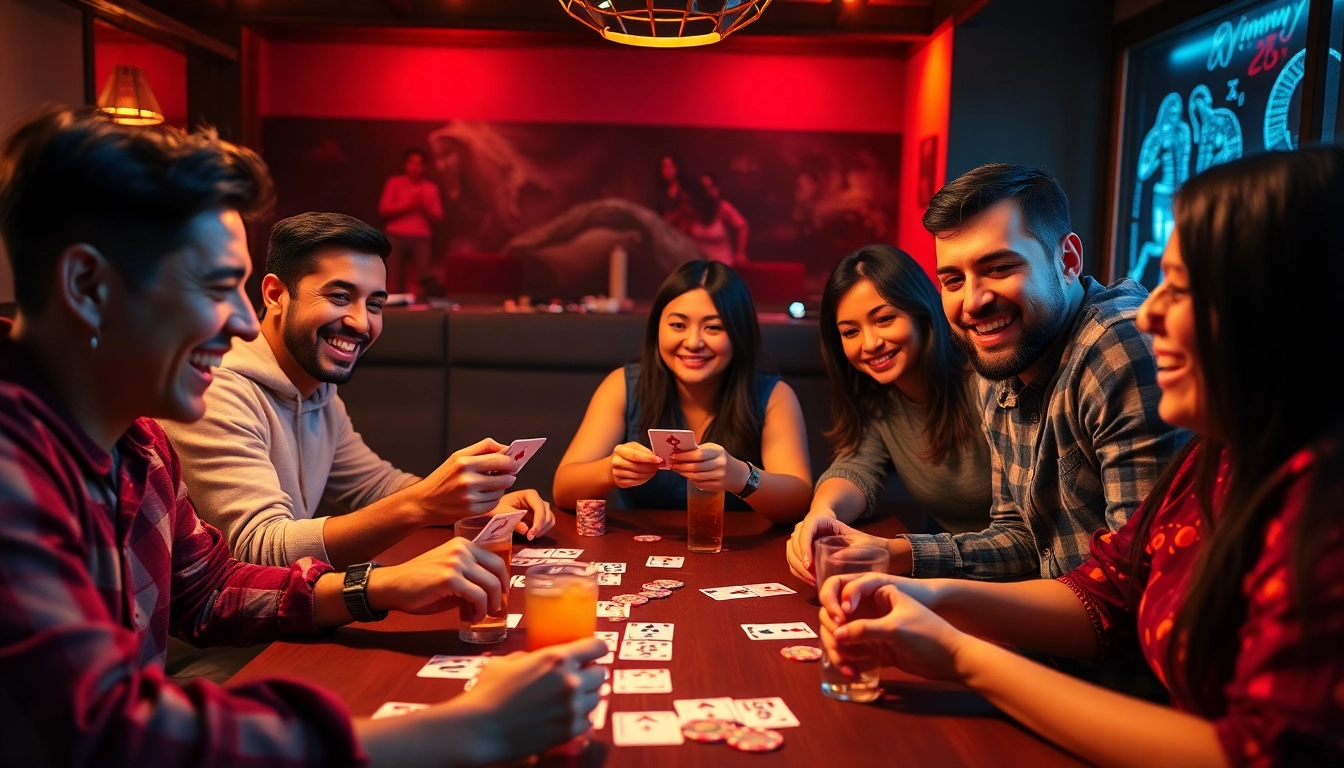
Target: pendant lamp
{"points": [[665, 23], [128, 99]]}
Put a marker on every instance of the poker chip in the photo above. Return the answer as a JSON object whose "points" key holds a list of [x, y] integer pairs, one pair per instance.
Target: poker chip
{"points": [[707, 730], [648, 537], [591, 517], [751, 739], [664, 584], [801, 652], [655, 594], [630, 599]]}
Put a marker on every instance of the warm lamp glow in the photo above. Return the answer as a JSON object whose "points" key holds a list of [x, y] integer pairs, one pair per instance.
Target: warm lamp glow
{"points": [[665, 23], [128, 99]]}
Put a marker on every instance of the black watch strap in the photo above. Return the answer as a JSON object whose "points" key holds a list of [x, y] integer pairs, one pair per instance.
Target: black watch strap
{"points": [[753, 481], [356, 592]]}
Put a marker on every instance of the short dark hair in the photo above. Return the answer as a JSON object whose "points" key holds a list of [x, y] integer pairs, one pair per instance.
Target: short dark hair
{"points": [[413, 151], [72, 175], [295, 242], [1045, 207]]}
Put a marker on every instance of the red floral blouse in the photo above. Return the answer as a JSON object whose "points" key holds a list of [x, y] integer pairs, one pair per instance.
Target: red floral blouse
{"points": [[1275, 697]]}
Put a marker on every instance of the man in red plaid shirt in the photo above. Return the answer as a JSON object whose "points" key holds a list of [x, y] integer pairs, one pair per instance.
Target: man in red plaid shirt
{"points": [[130, 257]]}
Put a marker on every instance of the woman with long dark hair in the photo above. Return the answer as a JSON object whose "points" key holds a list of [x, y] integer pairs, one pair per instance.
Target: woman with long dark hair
{"points": [[698, 370], [902, 399], [1230, 577]]}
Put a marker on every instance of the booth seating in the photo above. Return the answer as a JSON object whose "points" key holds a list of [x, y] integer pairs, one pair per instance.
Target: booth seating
{"points": [[437, 381]]}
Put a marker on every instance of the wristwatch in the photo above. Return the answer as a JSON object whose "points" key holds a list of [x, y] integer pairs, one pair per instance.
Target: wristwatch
{"points": [[753, 481], [356, 592]]}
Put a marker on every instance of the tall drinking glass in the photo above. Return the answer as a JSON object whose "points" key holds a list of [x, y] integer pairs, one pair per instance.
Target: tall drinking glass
{"points": [[495, 626], [561, 600], [835, 555], [704, 519]]}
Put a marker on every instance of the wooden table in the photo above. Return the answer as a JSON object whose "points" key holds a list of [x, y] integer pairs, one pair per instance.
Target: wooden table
{"points": [[917, 722]]}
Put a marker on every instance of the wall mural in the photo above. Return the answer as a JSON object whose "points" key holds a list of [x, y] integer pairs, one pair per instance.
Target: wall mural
{"points": [[560, 196]]}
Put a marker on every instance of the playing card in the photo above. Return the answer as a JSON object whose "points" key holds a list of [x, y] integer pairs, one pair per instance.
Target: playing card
{"points": [[792, 630], [533, 552], [729, 593], [518, 580], [642, 681], [663, 561], [631, 729], [608, 579], [499, 527], [770, 712], [610, 610], [646, 650], [514, 618], [453, 667], [566, 554], [395, 708], [611, 639], [598, 717], [609, 567], [665, 441], [646, 630], [705, 709], [523, 562], [770, 589], [522, 450]]}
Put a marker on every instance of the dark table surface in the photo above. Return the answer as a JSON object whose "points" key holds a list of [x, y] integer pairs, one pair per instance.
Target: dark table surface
{"points": [[916, 722]]}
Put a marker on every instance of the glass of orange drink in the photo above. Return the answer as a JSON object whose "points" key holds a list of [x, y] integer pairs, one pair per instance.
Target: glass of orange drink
{"points": [[561, 607]]}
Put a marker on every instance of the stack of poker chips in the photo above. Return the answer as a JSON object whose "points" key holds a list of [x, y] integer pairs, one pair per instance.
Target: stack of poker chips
{"points": [[592, 517]]}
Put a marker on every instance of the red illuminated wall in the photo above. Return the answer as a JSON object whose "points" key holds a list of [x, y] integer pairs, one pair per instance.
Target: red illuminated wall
{"points": [[928, 93], [165, 69], [610, 84]]}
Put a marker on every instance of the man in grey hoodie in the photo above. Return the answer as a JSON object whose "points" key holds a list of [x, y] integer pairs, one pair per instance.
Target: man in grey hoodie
{"points": [[276, 438]]}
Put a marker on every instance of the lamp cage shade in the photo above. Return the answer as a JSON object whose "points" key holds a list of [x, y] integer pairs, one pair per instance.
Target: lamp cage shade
{"points": [[128, 98], [665, 23]]}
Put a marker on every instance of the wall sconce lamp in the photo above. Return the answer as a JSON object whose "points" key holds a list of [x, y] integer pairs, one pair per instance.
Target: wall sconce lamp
{"points": [[128, 98], [665, 23]]}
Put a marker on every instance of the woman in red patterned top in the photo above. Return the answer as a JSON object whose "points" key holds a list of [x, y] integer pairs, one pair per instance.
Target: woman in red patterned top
{"points": [[1231, 576]]}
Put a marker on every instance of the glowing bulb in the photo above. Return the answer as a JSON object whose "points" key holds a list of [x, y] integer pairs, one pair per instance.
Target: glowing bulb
{"points": [[796, 310]]}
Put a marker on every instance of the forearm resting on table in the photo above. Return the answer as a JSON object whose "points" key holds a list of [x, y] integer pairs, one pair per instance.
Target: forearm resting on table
{"points": [[781, 498], [843, 498], [358, 536], [460, 738], [1041, 615], [582, 480], [1099, 725]]}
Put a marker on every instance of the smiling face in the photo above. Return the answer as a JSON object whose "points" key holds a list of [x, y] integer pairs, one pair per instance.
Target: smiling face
{"points": [[332, 317], [1003, 293], [168, 335], [1169, 315], [880, 340], [692, 340]]}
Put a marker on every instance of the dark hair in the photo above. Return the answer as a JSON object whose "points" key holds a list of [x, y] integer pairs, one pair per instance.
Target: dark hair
{"points": [[72, 175], [1250, 232], [703, 204], [414, 152], [735, 425], [1045, 207], [855, 398], [296, 241]]}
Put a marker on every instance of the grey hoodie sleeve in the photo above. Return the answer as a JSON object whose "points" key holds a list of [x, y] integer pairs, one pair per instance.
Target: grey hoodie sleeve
{"points": [[227, 468], [358, 476], [867, 468]]}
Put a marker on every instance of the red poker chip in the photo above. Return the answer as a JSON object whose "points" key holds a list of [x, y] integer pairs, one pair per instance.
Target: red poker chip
{"points": [[707, 730], [801, 652], [655, 594], [664, 584], [648, 537], [751, 739], [630, 599]]}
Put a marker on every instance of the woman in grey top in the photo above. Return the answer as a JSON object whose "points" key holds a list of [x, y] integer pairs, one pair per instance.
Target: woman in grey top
{"points": [[903, 398]]}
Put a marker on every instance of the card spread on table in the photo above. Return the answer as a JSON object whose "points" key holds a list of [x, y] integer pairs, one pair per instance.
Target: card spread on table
{"points": [[646, 650], [642, 681], [610, 610], [705, 709], [453, 667], [523, 562], [611, 639], [635, 729], [396, 708], [566, 554], [729, 593], [533, 552], [648, 630], [598, 717], [769, 589], [514, 618], [769, 712], [609, 567], [518, 580], [523, 450], [665, 441], [499, 527], [609, 579], [791, 630], [663, 561]]}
